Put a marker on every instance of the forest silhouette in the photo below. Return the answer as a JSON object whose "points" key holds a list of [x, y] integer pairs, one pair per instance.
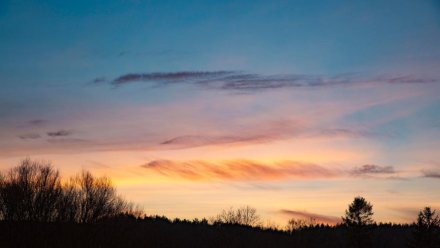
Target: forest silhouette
{"points": [[38, 209]]}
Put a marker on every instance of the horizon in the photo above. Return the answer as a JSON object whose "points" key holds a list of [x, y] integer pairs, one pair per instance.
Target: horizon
{"points": [[290, 107]]}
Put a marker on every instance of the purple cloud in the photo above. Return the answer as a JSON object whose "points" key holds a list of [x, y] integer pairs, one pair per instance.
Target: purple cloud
{"points": [[60, 133], [29, 136], [169, 77], [240, 81], [369, 169], [431, 174]]}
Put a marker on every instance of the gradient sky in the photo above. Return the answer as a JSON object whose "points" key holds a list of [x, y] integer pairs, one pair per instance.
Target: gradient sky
{"points": [[292, 107]]}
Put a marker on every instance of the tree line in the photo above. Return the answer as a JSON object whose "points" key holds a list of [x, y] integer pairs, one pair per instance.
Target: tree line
{"points": [[35, 192]]}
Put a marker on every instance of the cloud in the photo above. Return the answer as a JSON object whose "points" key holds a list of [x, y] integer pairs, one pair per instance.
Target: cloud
{"points": [[318, 218], [344, 132], [238, 170], [29, 136], [254, 82], [60, 133], [265, 132], [157, 53], [169, 77], [194, 141], [99, 80], [231, 80], [431, 174], [369, 169], [409, 79], [37, 122], [68, 142], [32, 123], [241, 81]]}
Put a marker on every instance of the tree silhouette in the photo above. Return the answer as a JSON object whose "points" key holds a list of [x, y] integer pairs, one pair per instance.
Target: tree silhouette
{"points": [[96, 198], [359, 213], [30, 192], [33, 191], [357, 218], [294, 224], [426, 229], [242, 216]]}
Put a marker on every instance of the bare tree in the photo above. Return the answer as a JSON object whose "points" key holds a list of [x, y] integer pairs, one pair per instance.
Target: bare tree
{"points": [[68, 205], [30, 192], [95, 198], [33, 191], [243, 216]]}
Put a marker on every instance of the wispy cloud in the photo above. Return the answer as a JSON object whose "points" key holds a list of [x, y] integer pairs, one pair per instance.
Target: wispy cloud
{"points": [[372, 169], [250, 136], [318, 218], [67, 141], [170, 77], [265, 132], [345, 132], [241, 81], [32, 123], [59, 133], [248, 170], [29, 136], [37, 122], [99, 80], [194, 141], [238, 170], [408, 79], [431, 174]]}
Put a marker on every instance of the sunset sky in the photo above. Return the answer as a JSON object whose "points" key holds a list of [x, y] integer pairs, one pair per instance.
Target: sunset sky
{"points": [[191, 107]]}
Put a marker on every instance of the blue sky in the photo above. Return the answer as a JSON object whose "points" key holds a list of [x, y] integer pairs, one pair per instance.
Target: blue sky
{"points": [[82, 40], [248, 97]]}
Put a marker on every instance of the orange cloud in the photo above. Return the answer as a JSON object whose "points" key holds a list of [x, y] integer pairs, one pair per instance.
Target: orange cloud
{"points": [[238, 170]]}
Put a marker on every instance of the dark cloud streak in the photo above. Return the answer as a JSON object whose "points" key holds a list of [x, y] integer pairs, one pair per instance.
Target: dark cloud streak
{"points": [[168, 77], [431, 174], [240, 81], [409, 79], [369, 169], [29, 136], [60, 133]]}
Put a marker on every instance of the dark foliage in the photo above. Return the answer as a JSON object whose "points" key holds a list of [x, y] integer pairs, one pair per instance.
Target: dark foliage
{"points": [[359, 213], [130, 231], [358, 220], [427, 230]]}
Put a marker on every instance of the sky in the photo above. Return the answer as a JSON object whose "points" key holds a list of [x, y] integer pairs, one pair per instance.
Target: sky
{"points": [[191, 107]]}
